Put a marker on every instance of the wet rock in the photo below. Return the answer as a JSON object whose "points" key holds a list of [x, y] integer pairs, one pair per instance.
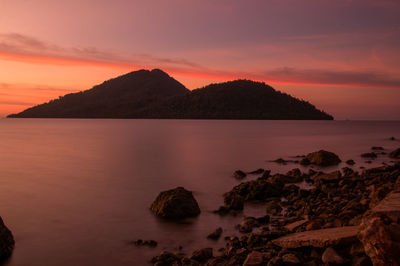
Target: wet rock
{"points": [[255, 190], [280, 161], [202, 255], [395, 154], [216, 234], [285, 179], [330, 256], [166, 258], [6, 241], [222, 210], [273, 208], [257, 172], [294, 172], [140, 242], [238, 174], [176, 203], [327, 178], [290, 259], [321, 158], [371, 155], [255, 258], [350, 162], [233, 201], [266, 174]]}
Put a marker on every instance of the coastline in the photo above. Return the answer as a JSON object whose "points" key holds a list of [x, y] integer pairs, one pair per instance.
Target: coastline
{"points": [[337, 219]]}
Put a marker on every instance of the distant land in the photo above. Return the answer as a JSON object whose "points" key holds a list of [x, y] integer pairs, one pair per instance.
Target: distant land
{"points": [[154, 94]]}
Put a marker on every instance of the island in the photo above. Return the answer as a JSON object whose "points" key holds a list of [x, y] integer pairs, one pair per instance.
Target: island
{"points": [[155, 94]]}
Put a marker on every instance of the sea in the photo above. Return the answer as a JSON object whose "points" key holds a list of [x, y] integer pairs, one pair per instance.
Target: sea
{"points": [[78, 191]]}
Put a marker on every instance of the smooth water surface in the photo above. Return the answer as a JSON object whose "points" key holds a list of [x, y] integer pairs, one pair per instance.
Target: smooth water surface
{"points": [[75, 192]]}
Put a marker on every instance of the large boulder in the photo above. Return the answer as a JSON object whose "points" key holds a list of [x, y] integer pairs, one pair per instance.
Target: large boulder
{"points": [[176, 203], [321, 158], [381, 239], [6, 241]]}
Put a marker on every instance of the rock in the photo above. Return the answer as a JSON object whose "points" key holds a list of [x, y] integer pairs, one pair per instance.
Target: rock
{"points": [[280, 161], [319, 238], [294, 172], [291, 259], [361, 261], [165, 258], [392, 138], [266, 174], [371, 155], [377, 148], [330, 256], [238, 174], [222, 210], [285, 179], [350, 162], [327, 178], [257, 172], [276, 261], [314, 225], [381, 239], [264, 219], [389, 206], [188, 262], [247, 225], [216, 234], [293, 226], [140, 242], [273, 208], [357, 249], [176, 203], [395, 154], [255, 258], [321, 158], [6, 241], [202, 255], [233, 201]]}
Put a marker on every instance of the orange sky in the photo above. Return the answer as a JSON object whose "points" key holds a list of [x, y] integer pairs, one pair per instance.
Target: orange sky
{"points": [[349, 69]]}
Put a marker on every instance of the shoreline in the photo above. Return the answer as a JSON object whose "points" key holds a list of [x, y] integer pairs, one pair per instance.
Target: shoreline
{"points": [[332, 221]]}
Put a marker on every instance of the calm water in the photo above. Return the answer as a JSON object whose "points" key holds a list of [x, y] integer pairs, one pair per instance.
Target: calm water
{"points": [[74, 192]]}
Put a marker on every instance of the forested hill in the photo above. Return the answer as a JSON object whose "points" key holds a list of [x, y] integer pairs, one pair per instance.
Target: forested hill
{"points": [[154, 94]]}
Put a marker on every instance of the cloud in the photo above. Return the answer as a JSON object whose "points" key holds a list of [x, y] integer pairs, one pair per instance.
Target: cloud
{"points": [[318, 76], [16, 103], [19, 47], [22, 47]]}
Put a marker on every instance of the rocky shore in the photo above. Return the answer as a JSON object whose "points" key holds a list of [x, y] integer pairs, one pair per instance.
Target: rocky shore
{"points": [[315, 218]]}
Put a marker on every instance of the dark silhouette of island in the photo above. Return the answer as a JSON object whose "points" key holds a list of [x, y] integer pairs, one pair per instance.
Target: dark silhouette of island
{"points": [[154, 94]]}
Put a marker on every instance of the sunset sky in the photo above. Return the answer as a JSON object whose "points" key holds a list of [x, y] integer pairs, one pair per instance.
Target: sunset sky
{"points": [[343, 56]]}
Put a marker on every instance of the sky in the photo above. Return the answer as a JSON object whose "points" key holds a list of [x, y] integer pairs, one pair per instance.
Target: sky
{"points": [[342, 56]]}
